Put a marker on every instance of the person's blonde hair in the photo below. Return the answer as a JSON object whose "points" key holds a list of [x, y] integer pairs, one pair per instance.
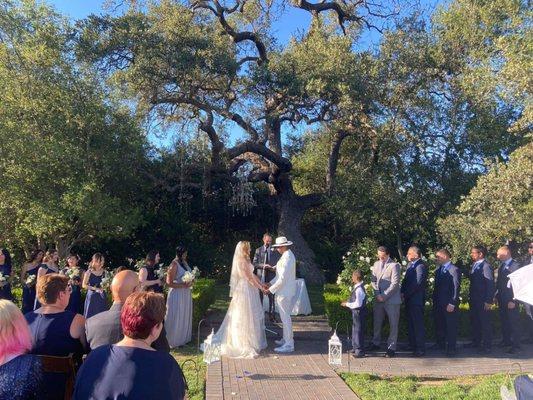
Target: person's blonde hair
{"points": [[245, 249], [15, 334]]}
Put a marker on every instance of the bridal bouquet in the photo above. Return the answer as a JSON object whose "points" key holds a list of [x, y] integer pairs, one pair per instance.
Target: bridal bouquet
{"points": [[106, 280], [73, 273], [190, 276], [31, 280], [161, 272]]}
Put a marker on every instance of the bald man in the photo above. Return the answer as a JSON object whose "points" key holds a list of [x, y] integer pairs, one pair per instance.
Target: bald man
{"points": [[105, 328]]}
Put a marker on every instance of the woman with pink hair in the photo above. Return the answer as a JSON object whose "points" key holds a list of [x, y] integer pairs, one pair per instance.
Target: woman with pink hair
{"points": [[20, 373]]}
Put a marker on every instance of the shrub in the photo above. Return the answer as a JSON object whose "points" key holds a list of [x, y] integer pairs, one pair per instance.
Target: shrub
{"points": [[203, 295], [361, 256]]}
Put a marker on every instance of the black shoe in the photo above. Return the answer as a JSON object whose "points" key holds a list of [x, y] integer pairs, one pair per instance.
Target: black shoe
{"points": [[372, 347], [437, 346], [407, 348], [503, 344], [419, 353], [472, 345], [484, 350], [451, 353], [528, 340], [358, 355], [390, 353]]}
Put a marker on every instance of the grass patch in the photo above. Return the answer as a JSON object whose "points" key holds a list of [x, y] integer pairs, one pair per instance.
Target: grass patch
{"points": [[369, 387], [196, 388]]}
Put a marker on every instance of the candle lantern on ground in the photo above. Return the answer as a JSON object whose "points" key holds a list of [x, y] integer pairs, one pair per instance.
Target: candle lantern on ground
{"points": [[335, 350]]}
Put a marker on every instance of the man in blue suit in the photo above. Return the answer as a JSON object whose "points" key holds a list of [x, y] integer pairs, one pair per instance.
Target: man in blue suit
{"points": [[509, 311], [413, 291], [481, 299], [446, 302]]}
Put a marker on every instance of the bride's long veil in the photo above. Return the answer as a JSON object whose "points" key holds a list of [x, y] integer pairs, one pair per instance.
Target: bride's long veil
{"points": [[235, 268]]}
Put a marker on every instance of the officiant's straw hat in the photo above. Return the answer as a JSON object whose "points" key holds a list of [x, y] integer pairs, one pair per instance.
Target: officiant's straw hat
{"points": [[282, 241]]}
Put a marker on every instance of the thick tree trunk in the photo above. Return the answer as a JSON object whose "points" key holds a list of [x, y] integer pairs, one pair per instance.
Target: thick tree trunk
{"points": [[291, 211]]}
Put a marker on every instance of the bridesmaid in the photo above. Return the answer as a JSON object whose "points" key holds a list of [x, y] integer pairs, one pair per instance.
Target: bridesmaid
{"points": [[148, 274], [178, 320], [5, 270], [76, 273], [50, 266], [30, 268], [96, 300]]}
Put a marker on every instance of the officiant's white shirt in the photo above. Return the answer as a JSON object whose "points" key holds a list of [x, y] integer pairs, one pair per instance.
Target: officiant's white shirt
{"points": [[284, 284]]}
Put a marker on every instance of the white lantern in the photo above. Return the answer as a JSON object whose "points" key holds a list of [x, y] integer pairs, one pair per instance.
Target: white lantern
{"points": [[212, 348], [335, 350]]}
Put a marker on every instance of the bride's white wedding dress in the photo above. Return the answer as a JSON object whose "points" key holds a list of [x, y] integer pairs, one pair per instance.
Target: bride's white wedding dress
{"points": [[242, 332]]}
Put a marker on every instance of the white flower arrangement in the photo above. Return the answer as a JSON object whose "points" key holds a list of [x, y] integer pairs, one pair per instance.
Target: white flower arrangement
{"points": [[190, 276], [105, 284], [161, 273], [367, 260], [3, 278], [31, 280], [73, 273]]}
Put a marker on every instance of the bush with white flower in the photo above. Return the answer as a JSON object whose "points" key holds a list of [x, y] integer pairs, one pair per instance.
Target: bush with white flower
{"points": [[361, 256]]}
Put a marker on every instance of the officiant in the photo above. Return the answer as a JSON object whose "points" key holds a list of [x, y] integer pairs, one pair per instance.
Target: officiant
{"points": [[264, 259]]}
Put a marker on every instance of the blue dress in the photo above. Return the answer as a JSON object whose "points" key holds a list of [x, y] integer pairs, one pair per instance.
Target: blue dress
{"points": [[152, 276], [28, 292], [94, 302], [21, 378], [74, 304], [5, 291], [51, 336], [117, 372]]}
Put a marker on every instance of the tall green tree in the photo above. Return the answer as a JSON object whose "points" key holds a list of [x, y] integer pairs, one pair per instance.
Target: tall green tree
{"points": [[68, 154]]}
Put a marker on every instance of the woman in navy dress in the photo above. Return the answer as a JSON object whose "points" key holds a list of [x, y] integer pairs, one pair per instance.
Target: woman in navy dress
{"points": [[5, 270], [148, 275], [55, 331], [96, 300], [131, 369], [20, 373], [29, 269], [75, 275], [50, 266]]}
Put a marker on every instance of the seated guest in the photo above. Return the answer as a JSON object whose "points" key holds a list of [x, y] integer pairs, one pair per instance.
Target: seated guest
{"points": [[105, 328], [55, 331], [131, 369], [20, 373]]}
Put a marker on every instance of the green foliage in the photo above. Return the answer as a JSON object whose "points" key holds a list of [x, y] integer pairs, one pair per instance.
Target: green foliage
{"points": [[203, 295], [499, 207], [361, 256], [63, 143], [368, 387]]}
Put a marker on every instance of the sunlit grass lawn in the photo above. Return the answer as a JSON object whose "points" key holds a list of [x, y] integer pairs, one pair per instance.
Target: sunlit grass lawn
{"points": [[369, 387], [196, 388]]}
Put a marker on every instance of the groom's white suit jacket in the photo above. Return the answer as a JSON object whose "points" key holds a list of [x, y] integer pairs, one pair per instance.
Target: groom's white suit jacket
{"points": [[284, 284]]}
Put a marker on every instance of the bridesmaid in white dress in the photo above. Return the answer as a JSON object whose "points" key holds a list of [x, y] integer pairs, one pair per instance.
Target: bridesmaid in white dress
{"points": [[178, 320]]}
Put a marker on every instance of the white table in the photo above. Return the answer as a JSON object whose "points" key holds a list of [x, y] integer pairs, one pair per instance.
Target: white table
{"points": [[302, 305]]}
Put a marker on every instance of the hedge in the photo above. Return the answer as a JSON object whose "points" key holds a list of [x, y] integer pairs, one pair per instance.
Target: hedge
{"points": [[203, 295], [334, 295]]}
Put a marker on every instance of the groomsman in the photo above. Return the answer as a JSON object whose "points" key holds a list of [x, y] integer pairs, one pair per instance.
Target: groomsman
{"points": [[446, 302], [413, 292], [509, 311], [386, 283], [481, 299], [268, 256]]}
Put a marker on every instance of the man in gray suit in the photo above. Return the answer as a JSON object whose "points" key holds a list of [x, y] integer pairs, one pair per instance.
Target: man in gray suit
{"points": [[105, 328], [386, 283]]}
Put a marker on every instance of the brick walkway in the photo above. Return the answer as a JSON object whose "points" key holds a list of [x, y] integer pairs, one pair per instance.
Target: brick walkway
{"points": [[305, 374]]}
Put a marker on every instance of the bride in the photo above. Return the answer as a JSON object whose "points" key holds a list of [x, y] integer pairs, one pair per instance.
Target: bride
{"points": [[242, 332]]}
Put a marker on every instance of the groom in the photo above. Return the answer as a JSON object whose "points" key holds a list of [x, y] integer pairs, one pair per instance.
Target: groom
{"points": [[284, 287]]}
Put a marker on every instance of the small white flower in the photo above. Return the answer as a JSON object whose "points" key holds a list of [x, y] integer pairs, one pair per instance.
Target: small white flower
{"points": [[349, 253], [339, 280], [350, 288], [367, 260], [460, 299], [432, 280], [432, 256], [361, 258], [427, 303], [404, 262], [367, 286], [344, 257], [2, 277]]}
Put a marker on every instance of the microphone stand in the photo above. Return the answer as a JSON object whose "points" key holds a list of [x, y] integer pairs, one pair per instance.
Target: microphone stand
{"points": [[264, 295]]}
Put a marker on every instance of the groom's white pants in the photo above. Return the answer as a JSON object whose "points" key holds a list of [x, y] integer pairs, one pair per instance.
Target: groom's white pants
{"points": [[284, 308]]}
